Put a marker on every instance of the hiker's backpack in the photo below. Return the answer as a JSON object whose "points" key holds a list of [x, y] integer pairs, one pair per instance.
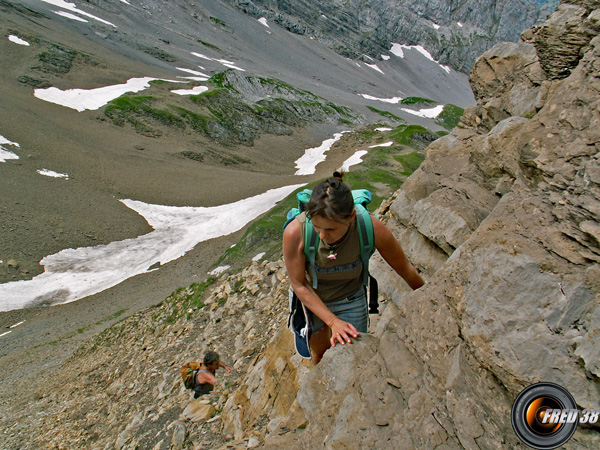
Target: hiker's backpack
{"points": [[188, 373], [362, 198]]}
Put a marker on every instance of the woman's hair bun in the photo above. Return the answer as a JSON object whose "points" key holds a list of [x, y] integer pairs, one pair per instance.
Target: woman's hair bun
{"points": [[338, 174]]}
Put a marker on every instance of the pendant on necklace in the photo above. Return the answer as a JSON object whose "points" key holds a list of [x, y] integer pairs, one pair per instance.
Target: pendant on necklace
{"points": [[332, 255]]}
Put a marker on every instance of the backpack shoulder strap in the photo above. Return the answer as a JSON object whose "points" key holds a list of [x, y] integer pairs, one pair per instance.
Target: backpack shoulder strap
{"points": [[310, 249], [367, 239]]}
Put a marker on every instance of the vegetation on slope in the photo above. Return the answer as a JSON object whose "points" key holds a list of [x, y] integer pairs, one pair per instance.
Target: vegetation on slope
{"points": [[229, 113], [382, 172]]}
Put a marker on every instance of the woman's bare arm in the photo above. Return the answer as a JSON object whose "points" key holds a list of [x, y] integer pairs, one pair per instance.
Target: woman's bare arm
{"points": [[391, 251]]}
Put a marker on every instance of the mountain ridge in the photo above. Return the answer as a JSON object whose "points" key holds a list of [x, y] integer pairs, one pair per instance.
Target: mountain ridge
{"points": [[515, 182], [455, 33]]}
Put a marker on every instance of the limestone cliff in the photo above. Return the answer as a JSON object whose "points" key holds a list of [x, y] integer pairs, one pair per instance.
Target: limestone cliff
{"points": [[455, 32], [503, 219]]}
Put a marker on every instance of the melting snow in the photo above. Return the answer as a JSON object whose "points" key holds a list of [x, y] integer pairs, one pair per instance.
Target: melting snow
{"points": [[51, 173], [353, 160], [76, 273], [73, 8], [4, 153], [374, 67], [194, 72], [69, 15], [229, 64], [17, 40], [386, 100], [398, 50], [83, 99], [194, 91], [258, 257], [387, 144], [430, 113], [307, 163]]}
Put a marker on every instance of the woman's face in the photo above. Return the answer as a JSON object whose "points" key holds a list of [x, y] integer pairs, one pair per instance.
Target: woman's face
{"points": [[331, 231]]}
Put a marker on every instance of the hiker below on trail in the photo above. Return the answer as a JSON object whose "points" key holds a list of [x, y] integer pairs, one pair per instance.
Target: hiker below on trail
{"points": [[204, 373], [336, 305]]}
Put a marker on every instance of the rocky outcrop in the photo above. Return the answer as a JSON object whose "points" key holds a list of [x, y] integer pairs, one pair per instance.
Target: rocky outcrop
{"points": [[502, 218], [123, 390], [456, 33]]}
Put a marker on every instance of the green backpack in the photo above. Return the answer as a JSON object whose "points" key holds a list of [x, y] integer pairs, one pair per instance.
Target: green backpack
{"points": [[362, 198]]}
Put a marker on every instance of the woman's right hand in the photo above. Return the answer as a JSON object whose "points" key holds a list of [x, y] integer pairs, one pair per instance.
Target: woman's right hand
{"points": [[342, 332]]}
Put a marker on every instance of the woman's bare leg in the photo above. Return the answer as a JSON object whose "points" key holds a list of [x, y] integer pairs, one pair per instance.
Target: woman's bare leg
{"points": [[319, 343]]}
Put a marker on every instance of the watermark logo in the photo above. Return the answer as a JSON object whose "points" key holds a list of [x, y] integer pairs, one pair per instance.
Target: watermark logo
{"points": [[545, 416]]}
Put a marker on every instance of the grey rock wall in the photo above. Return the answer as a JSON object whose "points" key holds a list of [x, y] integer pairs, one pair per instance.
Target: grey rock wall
{"points": [[502, 219], [455, 32]]}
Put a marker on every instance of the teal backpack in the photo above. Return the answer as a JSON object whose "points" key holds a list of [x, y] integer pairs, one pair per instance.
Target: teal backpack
{"points": [[362, 198]]}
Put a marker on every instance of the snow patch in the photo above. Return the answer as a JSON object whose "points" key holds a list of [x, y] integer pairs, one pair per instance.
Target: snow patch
{"points": [[398, 50], [226, 63], [386, 100], [194, 91], [429, 113], [4, 153], [374, 67], [17, 40], [353, 160], [84, 99], [73, 8], [259, 257], [72, 274], [51, 173], [307, 163], [387, 144]]}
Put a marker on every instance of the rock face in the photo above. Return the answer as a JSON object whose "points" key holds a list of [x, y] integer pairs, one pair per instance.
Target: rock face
{"points": [[123, 390], [502, 218], [454, 32]]}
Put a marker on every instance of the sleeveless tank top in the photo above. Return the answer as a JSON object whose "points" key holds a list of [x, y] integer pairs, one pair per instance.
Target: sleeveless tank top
{"points": [[340, 277], [204, 388]]}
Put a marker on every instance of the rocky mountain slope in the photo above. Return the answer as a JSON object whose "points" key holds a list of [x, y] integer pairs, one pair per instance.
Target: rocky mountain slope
{"points": [[456, 33], [502, 219], [167, 135], [219, 146]]}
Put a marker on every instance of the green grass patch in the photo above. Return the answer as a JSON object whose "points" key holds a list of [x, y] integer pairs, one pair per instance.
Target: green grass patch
{"points": [[366, 179], [414, 136], [410, 162], [450, 116], [263, 234], [208, 44], [220, 80], [135, 109], [379, 167], [217, 21], [416, 101], [386, 114], [192, 296]]}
